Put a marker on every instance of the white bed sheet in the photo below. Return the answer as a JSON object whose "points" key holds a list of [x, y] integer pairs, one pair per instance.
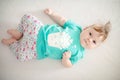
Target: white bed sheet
{"points": [[102, 63]]}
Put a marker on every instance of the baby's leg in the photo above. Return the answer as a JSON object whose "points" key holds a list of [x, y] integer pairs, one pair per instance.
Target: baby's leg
{"points": [[15, 33], [24, 49], [8, 41]]}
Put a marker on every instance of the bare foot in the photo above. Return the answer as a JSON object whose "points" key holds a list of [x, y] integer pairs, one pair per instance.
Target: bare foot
{"points": [[8, 41], [15, 33]]}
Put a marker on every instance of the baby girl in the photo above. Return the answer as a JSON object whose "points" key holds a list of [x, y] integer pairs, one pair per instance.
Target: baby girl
{"points": [[66, 41]]}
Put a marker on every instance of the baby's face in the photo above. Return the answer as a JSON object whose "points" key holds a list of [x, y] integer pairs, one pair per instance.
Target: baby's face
{"points": [[90, 38]]}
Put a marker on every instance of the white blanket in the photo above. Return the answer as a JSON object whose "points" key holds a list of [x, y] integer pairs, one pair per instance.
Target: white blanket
{"points": [[102, 63]]}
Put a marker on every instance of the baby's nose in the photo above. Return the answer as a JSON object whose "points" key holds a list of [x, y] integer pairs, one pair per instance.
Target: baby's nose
{"points": [[90, 39]]}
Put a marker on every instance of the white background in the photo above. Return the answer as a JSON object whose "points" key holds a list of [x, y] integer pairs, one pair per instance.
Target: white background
{"points": [[102, 63]]}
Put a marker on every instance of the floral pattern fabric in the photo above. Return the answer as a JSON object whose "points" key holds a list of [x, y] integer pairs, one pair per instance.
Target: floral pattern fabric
{"points": [[25, 49]]}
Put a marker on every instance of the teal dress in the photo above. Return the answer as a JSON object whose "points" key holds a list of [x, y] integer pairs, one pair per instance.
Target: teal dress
{"points": [[54, 40]]}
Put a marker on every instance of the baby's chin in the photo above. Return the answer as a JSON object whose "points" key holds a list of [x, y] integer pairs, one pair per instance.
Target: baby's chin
{"points": [[90, 47], [84, 45], [87, 47]]}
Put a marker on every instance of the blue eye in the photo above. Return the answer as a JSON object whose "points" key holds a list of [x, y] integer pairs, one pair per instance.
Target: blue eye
{"points": [[90, 33], [94, 41]]}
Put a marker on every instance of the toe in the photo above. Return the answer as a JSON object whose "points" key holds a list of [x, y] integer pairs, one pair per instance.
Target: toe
{"points": [[9, 31], [5, 41]]}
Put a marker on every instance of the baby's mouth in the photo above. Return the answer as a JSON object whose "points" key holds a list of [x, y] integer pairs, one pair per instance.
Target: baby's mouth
{"points": [[85, 41]]}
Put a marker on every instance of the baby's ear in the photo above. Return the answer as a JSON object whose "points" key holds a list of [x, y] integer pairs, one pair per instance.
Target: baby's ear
{"points": [[107, 26]]}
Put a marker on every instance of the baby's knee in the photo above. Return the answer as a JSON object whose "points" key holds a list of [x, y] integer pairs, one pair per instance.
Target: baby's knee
{"points": [[28, 18], [25, 17]]}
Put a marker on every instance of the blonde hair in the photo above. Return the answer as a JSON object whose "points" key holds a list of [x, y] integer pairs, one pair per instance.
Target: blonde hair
{"points": [[102, 29]]}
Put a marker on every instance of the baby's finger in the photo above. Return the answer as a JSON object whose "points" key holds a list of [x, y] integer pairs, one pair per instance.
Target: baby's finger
{"points": [[64, 54]]}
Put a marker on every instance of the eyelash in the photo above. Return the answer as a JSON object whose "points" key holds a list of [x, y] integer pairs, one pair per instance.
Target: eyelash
{"points": [[94, 41], [90, 33]]}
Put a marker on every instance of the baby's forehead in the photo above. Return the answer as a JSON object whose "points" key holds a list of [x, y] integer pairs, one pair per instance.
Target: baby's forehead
{"points": [[98, 28]]}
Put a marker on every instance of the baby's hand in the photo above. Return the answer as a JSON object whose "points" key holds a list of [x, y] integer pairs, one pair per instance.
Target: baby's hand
{"points": [[48, 11], [66, 55]]}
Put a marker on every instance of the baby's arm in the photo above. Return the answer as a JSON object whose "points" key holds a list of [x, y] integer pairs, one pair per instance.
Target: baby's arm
{"points": [[55, 16], [65, 60]]}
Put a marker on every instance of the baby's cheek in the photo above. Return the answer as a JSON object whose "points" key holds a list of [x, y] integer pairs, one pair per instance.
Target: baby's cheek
{"points": [[94, 45], [91, 45]]}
